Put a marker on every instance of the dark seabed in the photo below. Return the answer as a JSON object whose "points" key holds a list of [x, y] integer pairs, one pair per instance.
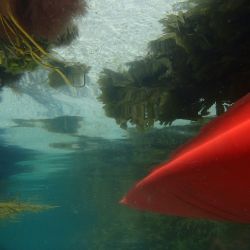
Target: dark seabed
{"points": [[85, 180]]}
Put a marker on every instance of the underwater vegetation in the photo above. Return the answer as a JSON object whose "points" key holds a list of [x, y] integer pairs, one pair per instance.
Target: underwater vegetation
{"points": [[201, 59], [28, 31], [10, 209]]}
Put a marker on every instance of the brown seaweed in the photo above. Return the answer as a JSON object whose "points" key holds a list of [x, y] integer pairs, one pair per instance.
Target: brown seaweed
{"points": [[201, 59], [10, 209], [29, 28]]}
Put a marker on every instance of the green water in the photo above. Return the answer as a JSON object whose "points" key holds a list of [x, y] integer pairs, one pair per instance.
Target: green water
{"points": [[85, 180]]}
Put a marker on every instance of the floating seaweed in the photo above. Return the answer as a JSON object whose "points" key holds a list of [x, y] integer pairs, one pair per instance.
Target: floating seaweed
{"points": [[28, 30], [201, 59], [10, 209]]}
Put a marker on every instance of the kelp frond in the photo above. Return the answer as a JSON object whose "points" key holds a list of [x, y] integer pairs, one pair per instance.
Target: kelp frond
{"points": [[21, 45]]}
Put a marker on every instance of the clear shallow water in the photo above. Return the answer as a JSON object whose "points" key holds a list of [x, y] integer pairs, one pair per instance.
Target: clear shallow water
{"points": [[86, 180]]}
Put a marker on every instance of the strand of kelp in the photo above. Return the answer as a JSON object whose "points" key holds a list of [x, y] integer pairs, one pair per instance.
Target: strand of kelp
{"points": [[22, 44]]}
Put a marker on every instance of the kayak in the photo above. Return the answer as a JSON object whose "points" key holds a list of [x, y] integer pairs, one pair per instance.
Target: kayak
{"points": [[208, 177]]}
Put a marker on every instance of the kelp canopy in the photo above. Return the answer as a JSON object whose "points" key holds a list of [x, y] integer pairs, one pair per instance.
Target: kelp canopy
{"points": [[203, 58], [28, 29]]}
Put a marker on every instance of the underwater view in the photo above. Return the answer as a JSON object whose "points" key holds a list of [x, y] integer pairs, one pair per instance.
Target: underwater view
{"points": [[124, 125]]}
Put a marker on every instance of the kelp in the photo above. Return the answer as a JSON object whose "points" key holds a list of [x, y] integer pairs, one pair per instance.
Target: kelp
{"points": [[20, 51], [203, 58], [10, 209]]}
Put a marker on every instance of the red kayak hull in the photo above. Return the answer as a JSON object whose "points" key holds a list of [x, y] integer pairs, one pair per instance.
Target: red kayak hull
{"points": [[208, 177]]}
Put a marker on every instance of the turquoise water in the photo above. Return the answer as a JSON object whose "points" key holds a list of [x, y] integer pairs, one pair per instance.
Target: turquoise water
{"points": [[85, 180]]}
